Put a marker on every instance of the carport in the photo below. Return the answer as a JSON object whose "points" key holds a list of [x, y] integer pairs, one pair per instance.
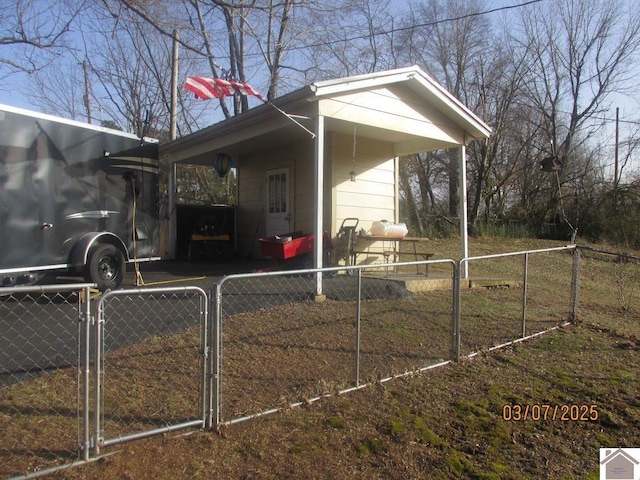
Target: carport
{"points": [[355, 128]]}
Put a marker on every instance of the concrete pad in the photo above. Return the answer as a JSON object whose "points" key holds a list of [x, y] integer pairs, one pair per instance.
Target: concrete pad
{"points": [[493, 283]]}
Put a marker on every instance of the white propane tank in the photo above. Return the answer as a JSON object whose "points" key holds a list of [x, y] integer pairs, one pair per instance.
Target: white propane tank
{"points": [[384, 228]]}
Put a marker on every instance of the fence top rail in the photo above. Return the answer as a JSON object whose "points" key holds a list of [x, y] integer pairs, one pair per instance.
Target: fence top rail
{"points": [[522, 252], [278, 273], [151, 291], [63, 287], [606, 252]]}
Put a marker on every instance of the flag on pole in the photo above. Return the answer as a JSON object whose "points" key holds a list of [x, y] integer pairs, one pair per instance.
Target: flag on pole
{"points": [[206, 88]]}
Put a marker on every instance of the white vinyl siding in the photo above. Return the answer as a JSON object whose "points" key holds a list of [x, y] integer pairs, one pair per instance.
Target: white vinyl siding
{"points": [[383, 108], [252, 193], [372, 196]]}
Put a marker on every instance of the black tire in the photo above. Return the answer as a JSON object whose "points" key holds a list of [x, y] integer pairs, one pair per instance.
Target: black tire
{"points": [[105, 267], [306, 261]]}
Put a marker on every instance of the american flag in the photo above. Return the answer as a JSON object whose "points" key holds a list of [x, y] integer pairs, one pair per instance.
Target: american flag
{"points": [[206, 88]]}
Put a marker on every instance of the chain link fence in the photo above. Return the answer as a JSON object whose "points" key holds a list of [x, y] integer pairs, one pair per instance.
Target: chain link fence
{"points": [[77, 378], [41, 377], [514, 296], [289, 349], [281, 345], [150, 357], [621, 296]]}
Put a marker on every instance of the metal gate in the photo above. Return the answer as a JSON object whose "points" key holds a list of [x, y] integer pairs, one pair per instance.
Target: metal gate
{"points": [[151, 355]]}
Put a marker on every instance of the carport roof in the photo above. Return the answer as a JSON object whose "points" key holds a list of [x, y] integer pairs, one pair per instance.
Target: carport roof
{"points": [[411, 89]]}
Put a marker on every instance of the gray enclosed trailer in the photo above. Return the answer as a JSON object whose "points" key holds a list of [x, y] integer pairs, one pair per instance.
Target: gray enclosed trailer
{"points": [[74, 198]]}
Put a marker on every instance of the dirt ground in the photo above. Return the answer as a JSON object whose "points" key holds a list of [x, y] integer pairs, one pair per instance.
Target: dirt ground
{"points": [[456, 421]]}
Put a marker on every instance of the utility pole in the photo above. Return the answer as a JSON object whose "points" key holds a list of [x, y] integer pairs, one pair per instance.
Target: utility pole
{"points": [[170, 225], [174, 86], [615, 179], [616, 165], [87, 90]]}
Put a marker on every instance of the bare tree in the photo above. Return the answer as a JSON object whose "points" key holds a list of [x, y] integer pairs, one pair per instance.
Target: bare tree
{"points": [[449, 42], [627, 150], [244, 40], [34, 32], [102, 81], [579, 52], [420, 177], [59, 89], [497, 81], [348, 37]]}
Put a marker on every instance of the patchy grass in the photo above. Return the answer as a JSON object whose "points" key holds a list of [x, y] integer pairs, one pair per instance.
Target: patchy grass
{"points": [[444, 423]]}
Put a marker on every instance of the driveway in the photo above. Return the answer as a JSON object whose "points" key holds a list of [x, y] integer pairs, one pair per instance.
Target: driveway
{"points": [[39, 334]]}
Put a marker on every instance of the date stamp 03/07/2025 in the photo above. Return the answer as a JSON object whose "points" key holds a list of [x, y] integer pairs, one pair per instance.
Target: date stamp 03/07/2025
{"points": [[615, 463], [542, 412]]}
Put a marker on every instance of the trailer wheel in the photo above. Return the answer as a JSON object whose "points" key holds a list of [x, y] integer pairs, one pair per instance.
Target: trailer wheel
{"points": [[105, 267]]}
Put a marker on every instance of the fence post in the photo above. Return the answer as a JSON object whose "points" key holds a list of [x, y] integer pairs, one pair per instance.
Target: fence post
{"points": [[454, 351], [524, 294], [97, 360], [85, 321], [358, 317], [215, 345], [204, 362], [575, 285]]}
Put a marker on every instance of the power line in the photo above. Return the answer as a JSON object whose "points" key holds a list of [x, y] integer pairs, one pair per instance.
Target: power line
{"points": [[621, 120], [419, 25], [400, 29]]}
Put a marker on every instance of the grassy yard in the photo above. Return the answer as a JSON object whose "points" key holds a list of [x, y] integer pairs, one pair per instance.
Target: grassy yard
{"points": [[577, 386]]}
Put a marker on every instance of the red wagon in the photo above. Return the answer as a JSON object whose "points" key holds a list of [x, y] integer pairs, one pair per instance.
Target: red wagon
{"points": [[292, 246]]}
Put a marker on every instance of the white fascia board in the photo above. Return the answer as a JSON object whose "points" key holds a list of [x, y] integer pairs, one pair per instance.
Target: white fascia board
{"points": [[428, 88], [361, 82]]}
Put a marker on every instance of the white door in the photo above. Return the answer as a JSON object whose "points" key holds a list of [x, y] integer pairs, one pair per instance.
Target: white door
{"points": [[278, 202]]}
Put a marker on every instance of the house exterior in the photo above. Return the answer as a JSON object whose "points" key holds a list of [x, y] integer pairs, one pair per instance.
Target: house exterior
{"points": [[294, 169]]}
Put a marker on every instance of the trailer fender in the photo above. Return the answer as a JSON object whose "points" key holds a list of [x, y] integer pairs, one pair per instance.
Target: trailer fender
{"points": [[80, 252], [103, 258]]}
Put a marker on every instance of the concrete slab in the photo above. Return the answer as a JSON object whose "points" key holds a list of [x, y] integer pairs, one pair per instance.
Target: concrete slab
{"points": [[493, 283], [420, 283]]}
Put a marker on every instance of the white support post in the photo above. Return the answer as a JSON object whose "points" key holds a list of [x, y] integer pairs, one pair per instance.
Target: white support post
{"points": [[396, 187], [318, 184], [462, 194]]}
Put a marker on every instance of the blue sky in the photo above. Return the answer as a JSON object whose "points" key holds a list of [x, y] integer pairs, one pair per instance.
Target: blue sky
{"points": [[15, 90]]}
